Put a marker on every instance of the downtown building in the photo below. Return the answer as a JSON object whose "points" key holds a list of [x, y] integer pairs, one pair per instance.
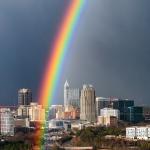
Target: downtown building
{"points": [[115, 103], [24, 96], [6, 122], [71, 96], [88, 104], [37, 113], [34, 112], [135, 114], [108, 117], [138, 132], [102, 102], [122, 105]]}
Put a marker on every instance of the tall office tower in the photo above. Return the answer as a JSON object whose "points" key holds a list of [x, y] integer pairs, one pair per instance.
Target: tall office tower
{"points": [[71, 96], [101, 103], [6, 122], [135, 114], [87, 104], [122, 105], [24, 97]]}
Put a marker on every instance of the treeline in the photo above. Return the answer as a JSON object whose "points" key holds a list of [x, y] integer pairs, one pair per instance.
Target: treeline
{"points": [[18, 145], [95, 136]]}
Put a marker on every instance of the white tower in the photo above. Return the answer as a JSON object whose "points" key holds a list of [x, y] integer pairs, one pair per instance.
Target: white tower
{"points": [[66, 93], [71, 96]]}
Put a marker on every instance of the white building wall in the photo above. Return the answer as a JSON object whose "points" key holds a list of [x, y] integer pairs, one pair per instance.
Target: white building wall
{"points": [[141, 133], [7, 122], [131, 132], [109, 112], [36, 112]]}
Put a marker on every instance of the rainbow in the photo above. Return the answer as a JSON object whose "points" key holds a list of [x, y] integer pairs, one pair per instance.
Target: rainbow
{"points": [[59, 49], [63, 40]]}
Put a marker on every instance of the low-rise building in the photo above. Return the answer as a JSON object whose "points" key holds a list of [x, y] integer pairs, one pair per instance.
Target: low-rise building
{"points": [[107, 121], [36, 112], [71, 113], [54, 109], [23, 111], [22, 122], [146, 113], [109, 112], [59, 124], [135, 132]]}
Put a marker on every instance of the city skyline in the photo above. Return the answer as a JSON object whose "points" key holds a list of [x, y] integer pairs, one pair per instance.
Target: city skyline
{"points": [[115, 43]]}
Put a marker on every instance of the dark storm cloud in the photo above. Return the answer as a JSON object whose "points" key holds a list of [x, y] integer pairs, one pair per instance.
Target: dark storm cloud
{"points": [[110, 50], [26, 32]]}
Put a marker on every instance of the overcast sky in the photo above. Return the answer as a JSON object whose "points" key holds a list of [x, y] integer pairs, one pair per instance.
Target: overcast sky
{"points": [[111, 47]]}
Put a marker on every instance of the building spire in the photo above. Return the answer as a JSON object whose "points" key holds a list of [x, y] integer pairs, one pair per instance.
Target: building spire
{"points": [[66, 84]]}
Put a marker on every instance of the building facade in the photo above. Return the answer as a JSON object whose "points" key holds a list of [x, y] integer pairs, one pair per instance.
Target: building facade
{"points": [[110, 112], [54, 109], [24, 96], [107, 121], [135, 132], [135, 114], [146, 113], [23, 111], [122, 105], [6, 122], [36, 113], [71, 96], [88, 104], [102, 102]]}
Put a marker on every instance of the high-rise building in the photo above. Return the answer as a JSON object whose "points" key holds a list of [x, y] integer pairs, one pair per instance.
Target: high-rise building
{"points": [[24, 97], [102, 102], [6, 122], [135, 114], [87, 104], [71, 96], [122, 105]]}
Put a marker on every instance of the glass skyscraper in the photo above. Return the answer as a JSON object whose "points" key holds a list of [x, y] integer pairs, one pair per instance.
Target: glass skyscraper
{"points": [[71, 96]]}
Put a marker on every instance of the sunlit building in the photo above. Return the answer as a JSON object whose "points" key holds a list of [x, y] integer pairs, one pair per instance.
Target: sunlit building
{"points": [[36, 112], [138, 132], [23, 111], [87, 104], [6, 122], [110, 112], [107, 121]]}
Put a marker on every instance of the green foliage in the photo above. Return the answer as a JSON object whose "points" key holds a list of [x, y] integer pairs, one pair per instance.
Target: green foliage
{"points": [[15, 146], [65, 139], [98, 131], [144, 145], [94, 136]]}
